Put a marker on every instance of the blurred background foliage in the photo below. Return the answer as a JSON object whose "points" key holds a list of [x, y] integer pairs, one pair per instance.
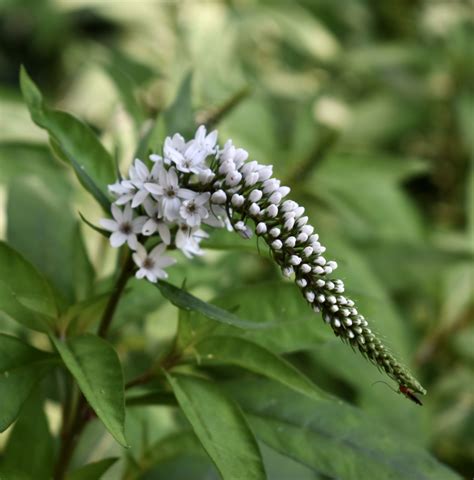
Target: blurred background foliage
{"points": [[365, 108]]}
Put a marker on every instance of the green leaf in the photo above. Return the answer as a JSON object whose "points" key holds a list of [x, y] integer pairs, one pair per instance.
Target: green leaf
{"points": [[125, 86], [179, 117], [96, 367], [93, 471], [170, 447], [73, 141], [292, 325], [186, 301], [251, 356], [332, 437], [220, 426], [36, 211], [30, 446], [25, 296], [21, 368]]}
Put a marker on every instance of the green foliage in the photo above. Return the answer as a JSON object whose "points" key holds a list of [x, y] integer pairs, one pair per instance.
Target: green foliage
{"points": [[315, 432], [243, 353], [73, 141], [366, 118], [215, 417], [21, 368], [97, 370], [25, 296], [30, 447], [93, 471]]}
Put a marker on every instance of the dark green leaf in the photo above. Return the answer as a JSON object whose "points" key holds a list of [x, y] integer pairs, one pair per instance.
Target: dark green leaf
{"points": [[93, 471], [30, 446], [179, 117], [42, 227], [96, 367], [104, 233], [292, 325], [25, 295], [169, 447], [21, 368], [333, 438], [220, 426], [73, 141], [186, 301], [251, 356]]}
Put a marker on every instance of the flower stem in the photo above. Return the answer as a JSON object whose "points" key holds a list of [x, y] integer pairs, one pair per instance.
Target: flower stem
{"points": [[114, 299], [82, 412]]}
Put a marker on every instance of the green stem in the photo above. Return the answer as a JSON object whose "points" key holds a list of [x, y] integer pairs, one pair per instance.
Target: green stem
{"points": [[114, 299], [71, 431]]}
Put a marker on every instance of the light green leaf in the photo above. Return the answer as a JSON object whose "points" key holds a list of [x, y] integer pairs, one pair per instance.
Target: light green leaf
{"points": [[42, 227], [30, 446], [220, 426], [332, 437], [21, 368], [73, 141], [179, 117], [25, 296], [182, 299], [96, 367], [92, 471], [125, 86], [251, 356]]}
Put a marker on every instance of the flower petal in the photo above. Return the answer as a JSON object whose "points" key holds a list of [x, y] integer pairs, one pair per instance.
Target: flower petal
{"points": [[139, 197], [150, 227], [154, 188], [164, 232], [117, 239], [108, 224]]}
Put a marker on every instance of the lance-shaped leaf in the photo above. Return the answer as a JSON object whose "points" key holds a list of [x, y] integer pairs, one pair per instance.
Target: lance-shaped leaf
{"points": [[221, 349], [220, 426], [92, 471], [96, 367], [25, 296], [36, 211], [179, 116], [73, 141], [30, 446], [331, 437], [182, 299], [21, 368]]}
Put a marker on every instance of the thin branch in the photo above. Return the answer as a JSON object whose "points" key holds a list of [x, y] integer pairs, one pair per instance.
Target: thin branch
{"points": [[114, 299]]}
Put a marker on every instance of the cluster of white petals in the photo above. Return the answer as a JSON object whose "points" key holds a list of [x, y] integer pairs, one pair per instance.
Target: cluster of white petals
{"points": [[194, 185]]}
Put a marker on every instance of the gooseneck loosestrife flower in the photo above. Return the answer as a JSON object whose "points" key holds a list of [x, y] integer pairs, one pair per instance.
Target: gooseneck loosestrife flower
{"points": [[196, 183]]}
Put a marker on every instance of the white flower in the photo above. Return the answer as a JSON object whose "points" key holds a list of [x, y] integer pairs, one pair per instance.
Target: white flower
{"points": [[187, 240], [139, 176], [193, 210], [237, 200], [255, 195], [219, 197], [189, 157], [261, 228], [122, 191], [243, 230], [169, 193], [237, 156], [151, 264], [155, 222], [124, 227], [233, 178], [270, 185], [202, 146]]}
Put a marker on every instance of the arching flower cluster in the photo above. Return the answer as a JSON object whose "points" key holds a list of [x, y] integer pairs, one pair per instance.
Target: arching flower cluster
{"points": [[197, 183]]}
